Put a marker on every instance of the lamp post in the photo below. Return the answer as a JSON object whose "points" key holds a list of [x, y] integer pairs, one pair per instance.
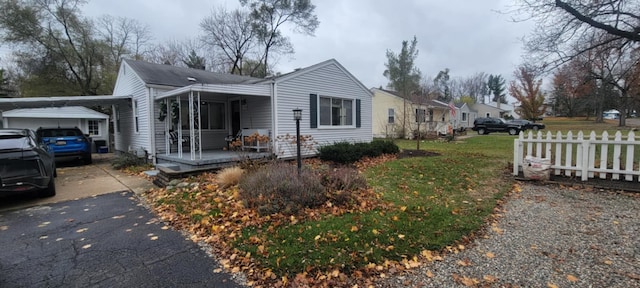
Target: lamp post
{"points": [[297, 115]]}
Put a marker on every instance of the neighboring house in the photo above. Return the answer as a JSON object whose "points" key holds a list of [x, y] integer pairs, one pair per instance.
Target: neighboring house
{"points": [[185, 116], [391, 113], [91, 122], [507, 110], [485, 110], [464, 116]]}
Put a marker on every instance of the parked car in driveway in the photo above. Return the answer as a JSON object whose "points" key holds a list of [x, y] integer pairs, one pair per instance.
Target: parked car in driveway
{"points": [[66, 143], [25, 164], [526, 124], [486, 125]]}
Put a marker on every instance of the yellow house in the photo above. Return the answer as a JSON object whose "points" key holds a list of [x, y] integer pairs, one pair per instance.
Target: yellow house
{"points": [[397, 117]]}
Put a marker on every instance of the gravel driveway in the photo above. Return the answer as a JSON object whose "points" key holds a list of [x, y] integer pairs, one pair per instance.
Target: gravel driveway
{"points": [[547, 236]]}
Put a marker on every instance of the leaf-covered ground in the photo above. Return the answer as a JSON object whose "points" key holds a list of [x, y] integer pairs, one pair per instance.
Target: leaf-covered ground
{"points": [[415, 210]]}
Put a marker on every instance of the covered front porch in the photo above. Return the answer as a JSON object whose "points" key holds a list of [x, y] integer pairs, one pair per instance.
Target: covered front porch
{"points": [[197, 126]]}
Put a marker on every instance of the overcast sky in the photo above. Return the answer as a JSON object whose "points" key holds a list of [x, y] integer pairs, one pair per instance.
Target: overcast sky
{"points": [[464, 36]]}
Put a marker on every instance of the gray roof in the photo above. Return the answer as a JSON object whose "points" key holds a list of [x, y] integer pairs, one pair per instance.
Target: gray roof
{"points": [[168, 75]]}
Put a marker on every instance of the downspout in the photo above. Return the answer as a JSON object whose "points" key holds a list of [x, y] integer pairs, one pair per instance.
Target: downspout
{"points": [[274, 116], [152, 125]]}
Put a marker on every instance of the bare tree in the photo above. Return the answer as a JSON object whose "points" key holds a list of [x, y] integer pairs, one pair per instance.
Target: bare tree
{"points": [[231, 34], [125, 37], [268, 17], [563, 24]]}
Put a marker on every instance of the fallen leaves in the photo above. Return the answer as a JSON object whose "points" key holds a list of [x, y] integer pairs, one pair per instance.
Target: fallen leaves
{"points": [[572, 278], [489, 255]]}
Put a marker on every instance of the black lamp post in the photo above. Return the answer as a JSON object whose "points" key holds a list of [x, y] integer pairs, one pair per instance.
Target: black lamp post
{"points": [[297, 115]]}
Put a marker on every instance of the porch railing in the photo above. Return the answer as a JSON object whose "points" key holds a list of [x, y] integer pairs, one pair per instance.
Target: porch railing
{"points": [[604, 157]]}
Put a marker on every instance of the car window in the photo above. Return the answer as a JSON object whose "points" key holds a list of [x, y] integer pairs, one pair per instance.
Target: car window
{"points": [[11, 141]]}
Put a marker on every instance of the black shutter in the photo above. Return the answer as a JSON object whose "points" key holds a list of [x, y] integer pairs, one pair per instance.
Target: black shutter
{"points": [[358, 117], [313, 110]]}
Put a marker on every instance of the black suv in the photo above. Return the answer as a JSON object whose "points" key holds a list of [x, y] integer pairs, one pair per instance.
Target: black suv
{"points": [[25, 164], [489, 124], [66, 143]]}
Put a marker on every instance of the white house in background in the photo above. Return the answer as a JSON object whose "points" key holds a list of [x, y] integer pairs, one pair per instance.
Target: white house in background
{"points": [[91, 122], [507, 109], [185, 116], [485, 110], [464, 116]]}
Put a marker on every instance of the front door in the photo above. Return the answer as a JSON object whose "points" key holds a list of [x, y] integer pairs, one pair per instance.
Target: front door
{"points": [[235, 117]]}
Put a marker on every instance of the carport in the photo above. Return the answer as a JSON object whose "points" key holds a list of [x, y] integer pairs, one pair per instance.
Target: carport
{"points": [[60, 111]]}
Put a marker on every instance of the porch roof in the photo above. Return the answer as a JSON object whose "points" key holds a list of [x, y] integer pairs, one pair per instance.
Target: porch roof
{"points": [[232, 89]]}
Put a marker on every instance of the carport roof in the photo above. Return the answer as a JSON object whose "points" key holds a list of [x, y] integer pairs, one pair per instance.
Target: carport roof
{"points": [[62, 101], [75, 112]]}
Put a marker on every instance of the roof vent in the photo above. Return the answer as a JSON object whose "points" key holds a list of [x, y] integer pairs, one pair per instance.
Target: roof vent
{"points": [[191, 79], [297, 69]]}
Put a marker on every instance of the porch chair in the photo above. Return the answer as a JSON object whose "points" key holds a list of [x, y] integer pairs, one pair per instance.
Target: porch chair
{"points": [[173, 140]]}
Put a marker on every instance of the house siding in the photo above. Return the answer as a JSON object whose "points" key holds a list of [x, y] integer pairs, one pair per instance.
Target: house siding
{"points": [[127, 139], [328, 80]]}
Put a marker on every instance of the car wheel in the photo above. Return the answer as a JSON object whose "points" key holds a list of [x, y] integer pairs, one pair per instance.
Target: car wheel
{"points": [[50, 190], [535, 128], [481, 131], [87, 159], [513, 131]]}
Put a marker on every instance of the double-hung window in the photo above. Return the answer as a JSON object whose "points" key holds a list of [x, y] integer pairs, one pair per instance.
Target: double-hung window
{"points": [[336, 111], [392, 116], [94, 127]]}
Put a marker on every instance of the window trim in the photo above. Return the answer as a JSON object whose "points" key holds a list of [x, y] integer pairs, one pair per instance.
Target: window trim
{"points": [[391, 114], [353, 113], [97, 121], [136, 118]]}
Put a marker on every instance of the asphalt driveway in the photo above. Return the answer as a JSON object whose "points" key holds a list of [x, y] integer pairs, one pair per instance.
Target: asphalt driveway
{"points": [[103, 241]]}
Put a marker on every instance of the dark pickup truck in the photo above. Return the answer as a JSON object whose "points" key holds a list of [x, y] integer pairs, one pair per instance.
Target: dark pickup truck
{"points": [[488, 124]]}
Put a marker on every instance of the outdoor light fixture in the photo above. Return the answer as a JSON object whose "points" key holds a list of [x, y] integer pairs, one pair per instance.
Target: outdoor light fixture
{"points": [[297, 115]]}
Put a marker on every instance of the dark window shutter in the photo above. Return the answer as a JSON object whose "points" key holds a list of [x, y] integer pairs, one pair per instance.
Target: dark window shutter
{"points": [[313, 110], [358, 116]]}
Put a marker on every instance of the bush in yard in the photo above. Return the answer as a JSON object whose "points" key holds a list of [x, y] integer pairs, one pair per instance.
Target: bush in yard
{"points": [[228, 177], [278, 188], [125, 160], [341, 183], [345, 152]]}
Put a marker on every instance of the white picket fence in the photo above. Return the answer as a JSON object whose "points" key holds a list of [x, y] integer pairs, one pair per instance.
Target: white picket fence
{"points": [[580, 156]]}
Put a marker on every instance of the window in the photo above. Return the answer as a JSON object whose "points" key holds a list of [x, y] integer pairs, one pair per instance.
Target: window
{"points": [[392, 116], [336, 111], [94, 127], [464, 116], [442, 117], [430, 115], [135, 116], [488, 115], [420, 115], [212, 115], [117, 119]]}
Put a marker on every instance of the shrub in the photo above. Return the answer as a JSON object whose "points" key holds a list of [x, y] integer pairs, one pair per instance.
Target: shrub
{"points": [[126, 160], [228, 177], [341, 183], [277, 188], [345, 152]]}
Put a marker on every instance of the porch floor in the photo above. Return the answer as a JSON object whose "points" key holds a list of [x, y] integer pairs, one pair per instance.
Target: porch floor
{"points": [[211, 159]]}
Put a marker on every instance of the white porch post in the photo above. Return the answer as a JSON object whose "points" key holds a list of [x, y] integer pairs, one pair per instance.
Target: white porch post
{"points": [[179, 127]]}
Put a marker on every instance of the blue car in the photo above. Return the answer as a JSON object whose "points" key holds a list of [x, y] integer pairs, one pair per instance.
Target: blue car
{"points": [[67, 143]]}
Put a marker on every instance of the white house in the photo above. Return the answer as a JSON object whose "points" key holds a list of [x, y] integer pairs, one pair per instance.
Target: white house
{"points": [[185, 116], [91, 122], [464, 116]]}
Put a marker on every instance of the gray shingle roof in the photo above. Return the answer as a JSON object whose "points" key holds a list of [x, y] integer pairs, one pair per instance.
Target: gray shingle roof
{"points": [[168, 75]]}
